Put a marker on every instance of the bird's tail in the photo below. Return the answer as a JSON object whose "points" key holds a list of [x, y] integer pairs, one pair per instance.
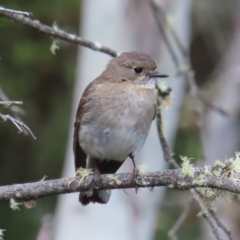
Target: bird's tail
{"points": [[95, 196]]}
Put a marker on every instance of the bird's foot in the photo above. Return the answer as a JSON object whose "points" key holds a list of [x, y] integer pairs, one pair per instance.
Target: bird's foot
{"points": [[97, 177], [135, 172], [135, 177]]}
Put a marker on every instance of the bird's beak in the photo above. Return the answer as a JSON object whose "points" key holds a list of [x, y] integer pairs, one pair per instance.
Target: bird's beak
{"points": [[158, 75]]}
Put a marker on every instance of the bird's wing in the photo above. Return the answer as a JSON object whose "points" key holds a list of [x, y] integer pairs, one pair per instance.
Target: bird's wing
{"points": [[155, 110], [79, 155]]}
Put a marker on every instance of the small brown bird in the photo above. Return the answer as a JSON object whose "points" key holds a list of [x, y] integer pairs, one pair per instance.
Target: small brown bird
{"points": [[114, 117]]}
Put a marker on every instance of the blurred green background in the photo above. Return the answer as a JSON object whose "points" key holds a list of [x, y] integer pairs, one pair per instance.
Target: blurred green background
{"points": [[44, 82]]}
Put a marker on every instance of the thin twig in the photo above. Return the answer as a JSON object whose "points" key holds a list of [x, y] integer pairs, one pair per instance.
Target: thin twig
{"points": [[167, 154], [172, 232], [19, 125], [15, 109], [206, 214], [161, 20], [161, 28], [168, 158], [10, 103], [210, 104], [212, 225], [28, 14], [194, 91], [58, 33], [221, 225]]}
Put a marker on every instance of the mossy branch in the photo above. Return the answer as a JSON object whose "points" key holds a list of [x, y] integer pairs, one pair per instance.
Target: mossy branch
{"points": [[56, 32], [171, 178]]}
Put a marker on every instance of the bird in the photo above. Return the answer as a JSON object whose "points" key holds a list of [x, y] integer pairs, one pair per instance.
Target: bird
{"points": [[114, 116]]}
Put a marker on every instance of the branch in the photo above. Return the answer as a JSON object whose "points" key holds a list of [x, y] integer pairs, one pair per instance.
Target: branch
{"points": [[57, 33], [199, 97], [28, 14], [10, 103], [221, 225], [185, 67], [206, 213], [22, 128], [170, 178], [162, 95], [19, 125], [15, 109], [196, 195]]}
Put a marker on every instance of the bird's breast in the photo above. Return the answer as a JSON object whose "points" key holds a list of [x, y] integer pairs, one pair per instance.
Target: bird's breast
{"points": [[117, 125]]}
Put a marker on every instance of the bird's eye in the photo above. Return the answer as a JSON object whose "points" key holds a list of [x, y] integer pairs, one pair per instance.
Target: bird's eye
{"points": [[138, 70]]}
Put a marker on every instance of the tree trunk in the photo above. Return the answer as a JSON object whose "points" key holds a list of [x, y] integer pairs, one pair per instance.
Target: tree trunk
{"points": [[124, 26]]}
